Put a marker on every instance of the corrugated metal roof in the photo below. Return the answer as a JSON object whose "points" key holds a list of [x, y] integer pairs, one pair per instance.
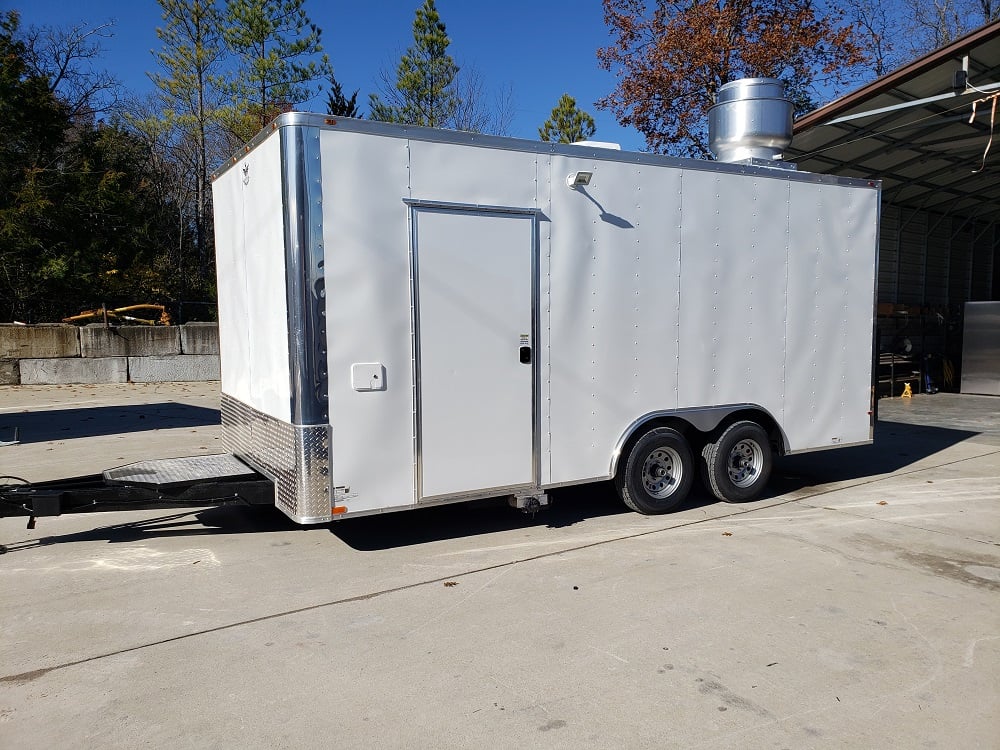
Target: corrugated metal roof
{"points": [[926, 155]]}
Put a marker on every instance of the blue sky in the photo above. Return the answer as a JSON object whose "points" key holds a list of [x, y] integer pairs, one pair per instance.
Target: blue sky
{"points": [[541, 49]]}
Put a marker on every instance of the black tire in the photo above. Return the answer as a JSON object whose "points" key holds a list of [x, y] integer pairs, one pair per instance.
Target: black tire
{"points": [[737, 465], [658, 473]]}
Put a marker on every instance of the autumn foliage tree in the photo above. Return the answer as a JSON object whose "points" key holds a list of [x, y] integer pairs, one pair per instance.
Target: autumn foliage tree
{"points": [[672, 56]]}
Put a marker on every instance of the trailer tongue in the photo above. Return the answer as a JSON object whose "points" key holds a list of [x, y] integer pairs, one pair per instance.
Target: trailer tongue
{"points": [[195, 481]]}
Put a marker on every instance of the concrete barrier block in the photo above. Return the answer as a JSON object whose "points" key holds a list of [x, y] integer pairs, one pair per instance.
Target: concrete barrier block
{"points": [[200, 338], [75, 370], [37, 342], [130, 341], [174, 369], [98, 341], [151, 341], [10, 373]]}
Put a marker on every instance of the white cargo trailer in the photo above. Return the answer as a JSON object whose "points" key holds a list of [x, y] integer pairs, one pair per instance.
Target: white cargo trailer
{"points": [[412, 316]]}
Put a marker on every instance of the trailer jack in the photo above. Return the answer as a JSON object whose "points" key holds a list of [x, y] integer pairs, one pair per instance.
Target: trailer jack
{"points": [[196, 481], [529, 503]]}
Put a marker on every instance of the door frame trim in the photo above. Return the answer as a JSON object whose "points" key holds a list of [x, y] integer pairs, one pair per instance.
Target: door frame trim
{"points": [[443, 207]]}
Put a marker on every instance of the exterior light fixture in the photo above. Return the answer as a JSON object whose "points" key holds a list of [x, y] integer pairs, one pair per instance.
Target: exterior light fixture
{"points": [[579, 179]]}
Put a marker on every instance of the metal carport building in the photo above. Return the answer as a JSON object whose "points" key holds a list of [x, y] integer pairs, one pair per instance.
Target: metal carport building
{"points": [[940, 240]]}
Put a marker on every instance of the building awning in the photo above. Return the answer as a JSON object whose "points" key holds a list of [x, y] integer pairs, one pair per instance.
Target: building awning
{"points": [[928, 155]]}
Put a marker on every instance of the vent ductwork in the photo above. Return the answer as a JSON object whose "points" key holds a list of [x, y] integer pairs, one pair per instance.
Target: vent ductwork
{"points": [[751, 119]]}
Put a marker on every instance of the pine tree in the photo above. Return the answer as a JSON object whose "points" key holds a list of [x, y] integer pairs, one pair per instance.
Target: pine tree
{"points": [[567, 123], [339, 105], [189, 87], [279, 49], [424, 90]]}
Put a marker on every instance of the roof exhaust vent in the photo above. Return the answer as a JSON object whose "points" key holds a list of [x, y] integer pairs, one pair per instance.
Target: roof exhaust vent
{"points": [[750, 120]]}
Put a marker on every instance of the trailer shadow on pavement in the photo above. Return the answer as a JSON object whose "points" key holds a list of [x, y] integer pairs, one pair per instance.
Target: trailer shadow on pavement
{"points": [[187, 523], [84, 422], [898, 445], [570, 505]]}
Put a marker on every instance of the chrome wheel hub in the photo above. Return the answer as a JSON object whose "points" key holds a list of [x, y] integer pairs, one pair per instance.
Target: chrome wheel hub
{"points": [[662, 472], [745, 462]]}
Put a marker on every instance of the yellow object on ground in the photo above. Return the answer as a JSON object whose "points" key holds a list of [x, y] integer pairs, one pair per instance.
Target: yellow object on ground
{"points": [[118, 315]]}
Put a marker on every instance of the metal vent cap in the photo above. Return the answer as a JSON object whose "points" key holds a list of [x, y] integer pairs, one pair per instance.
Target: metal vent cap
{"points": [[751, 119]]}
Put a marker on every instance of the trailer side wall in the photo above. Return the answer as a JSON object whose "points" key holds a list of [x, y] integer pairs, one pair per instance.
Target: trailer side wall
{"points": [[616, 286], [365, 179], [658, 288], [833, 253]]}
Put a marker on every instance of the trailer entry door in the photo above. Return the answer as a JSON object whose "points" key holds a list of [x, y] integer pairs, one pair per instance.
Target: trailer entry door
{"points": [[475, 350]]}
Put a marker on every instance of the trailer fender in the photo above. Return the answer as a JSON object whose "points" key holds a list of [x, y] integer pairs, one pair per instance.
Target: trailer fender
{"points": [[703, 419]]}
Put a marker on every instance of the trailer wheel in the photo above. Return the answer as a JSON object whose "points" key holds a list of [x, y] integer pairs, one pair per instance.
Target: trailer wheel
{"points": [[738, 464], [658, 473]]}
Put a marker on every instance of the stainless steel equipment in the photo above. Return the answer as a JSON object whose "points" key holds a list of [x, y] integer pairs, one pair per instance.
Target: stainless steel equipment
{"points": [[981, 349], [751, 119]]}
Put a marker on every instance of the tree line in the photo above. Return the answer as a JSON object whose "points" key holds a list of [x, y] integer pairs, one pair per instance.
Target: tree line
{"points": [[105, 197]]}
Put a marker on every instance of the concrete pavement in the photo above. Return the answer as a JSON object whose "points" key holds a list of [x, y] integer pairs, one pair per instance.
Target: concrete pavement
{"points": [[854, 606]]}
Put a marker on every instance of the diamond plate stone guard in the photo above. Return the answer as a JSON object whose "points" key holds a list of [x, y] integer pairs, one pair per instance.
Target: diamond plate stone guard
{"points": [[296, 458]]}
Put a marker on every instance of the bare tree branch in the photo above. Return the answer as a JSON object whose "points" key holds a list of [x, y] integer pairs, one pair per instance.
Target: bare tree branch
{"points": [[69, 58]]}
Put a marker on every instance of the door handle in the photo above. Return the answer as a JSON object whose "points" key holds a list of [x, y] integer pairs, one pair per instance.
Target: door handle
{"points": [[525, 355]]}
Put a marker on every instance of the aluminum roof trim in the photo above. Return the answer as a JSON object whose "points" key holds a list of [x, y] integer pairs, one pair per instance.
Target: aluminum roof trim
{"points": [[440, 135]]}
